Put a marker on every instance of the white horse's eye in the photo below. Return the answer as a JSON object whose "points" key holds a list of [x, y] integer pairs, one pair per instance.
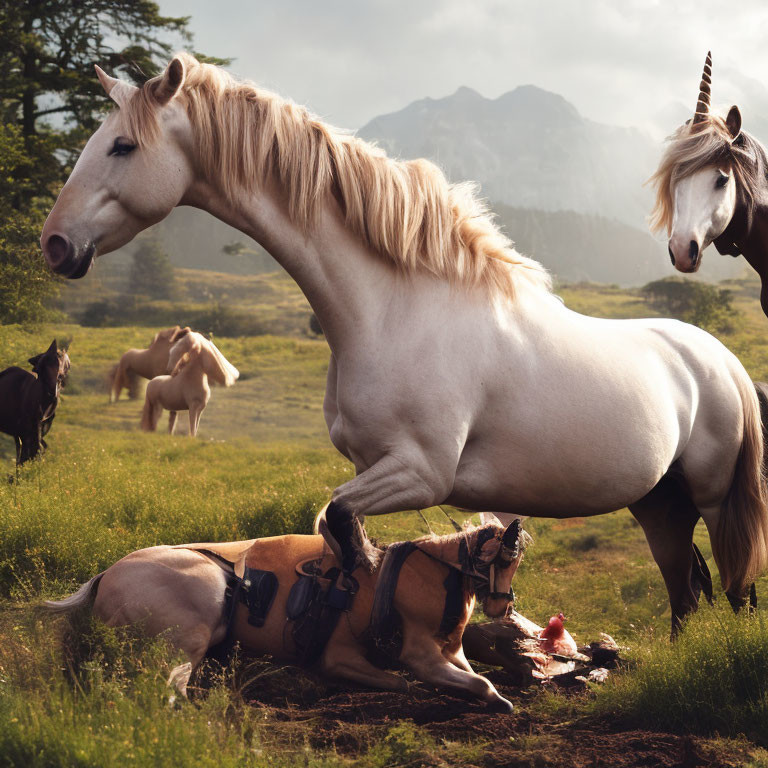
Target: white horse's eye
{"points": [[122, 147], [722, 180]]}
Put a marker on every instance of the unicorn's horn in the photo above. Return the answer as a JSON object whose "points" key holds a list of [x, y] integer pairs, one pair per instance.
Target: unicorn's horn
{"points": [[705, 89]]}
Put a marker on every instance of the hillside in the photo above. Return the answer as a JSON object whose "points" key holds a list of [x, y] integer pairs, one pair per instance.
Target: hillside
{"points": [[581, 247]]}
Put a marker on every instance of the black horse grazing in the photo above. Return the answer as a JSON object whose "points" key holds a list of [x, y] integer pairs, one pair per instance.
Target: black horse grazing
{"points": [[28, 400]]}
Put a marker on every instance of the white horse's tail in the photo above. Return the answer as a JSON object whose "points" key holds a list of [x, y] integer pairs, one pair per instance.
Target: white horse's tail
{"points": [[740, 544], [82, 597]]}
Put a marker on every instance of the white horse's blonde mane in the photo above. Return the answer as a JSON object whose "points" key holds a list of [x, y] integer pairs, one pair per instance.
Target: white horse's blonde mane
{"points": [[695, 146], [405, 211]]}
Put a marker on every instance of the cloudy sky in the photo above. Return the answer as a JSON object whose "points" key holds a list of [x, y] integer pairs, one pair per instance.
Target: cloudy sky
{"points": [[617, 62]]}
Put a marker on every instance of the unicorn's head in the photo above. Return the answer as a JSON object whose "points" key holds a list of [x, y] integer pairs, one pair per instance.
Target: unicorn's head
{"points": [[708, 171], [130, 175], [194, 347]]}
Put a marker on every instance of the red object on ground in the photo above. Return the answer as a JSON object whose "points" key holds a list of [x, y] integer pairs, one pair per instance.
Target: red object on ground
{"points": [[553, 637]]}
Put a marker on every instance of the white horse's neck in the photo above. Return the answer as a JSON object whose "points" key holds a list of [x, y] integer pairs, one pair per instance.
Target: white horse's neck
{"points": [[342, 279]]}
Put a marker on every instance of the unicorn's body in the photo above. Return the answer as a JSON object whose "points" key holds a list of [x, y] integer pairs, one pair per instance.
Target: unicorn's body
{"points": [[192, 361], [456, 376]]}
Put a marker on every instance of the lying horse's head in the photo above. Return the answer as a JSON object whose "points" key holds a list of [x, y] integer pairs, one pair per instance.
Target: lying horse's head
{"points": [[490, 555]]}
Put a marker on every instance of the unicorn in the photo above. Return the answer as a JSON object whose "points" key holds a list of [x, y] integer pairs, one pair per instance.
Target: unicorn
{"points": [[712, 188], [193, 361]]}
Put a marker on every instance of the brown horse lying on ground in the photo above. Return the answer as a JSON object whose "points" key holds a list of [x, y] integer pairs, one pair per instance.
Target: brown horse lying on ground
{"points": [[28, 400], [193, 361], [415, 603], [146, 363]]}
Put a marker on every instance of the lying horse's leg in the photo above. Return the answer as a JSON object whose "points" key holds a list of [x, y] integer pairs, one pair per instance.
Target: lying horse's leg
{"points": [[175, 591], [390, 485], [668, 516], [345, 662], [426, 661]]}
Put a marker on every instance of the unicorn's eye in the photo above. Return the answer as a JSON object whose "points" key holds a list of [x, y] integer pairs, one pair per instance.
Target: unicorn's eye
{"points": [[722, 180], [122, 147]]}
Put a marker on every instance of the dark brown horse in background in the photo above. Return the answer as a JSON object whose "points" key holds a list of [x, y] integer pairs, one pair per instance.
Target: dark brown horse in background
{"points": [[712, 187], [28, 400]]}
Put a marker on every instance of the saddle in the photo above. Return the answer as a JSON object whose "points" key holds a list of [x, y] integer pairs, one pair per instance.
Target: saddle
{"points": [[314, 605]]}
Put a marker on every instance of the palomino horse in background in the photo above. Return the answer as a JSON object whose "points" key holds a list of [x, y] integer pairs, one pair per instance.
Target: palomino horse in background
{"points": [[712, 187], [181, 590], [148, 363], [28, 401], [193, 361], [456, 376]]}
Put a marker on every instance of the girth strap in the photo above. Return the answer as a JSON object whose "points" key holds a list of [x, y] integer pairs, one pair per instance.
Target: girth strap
{"points": [[312, 629], [385, 630]]}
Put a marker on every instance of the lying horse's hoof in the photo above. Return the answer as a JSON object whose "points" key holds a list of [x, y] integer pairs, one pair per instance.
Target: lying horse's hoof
{"points": [[501, 706]]}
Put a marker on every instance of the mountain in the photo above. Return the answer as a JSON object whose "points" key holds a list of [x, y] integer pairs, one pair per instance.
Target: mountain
{"points": [[578, 247], [528, 148]]}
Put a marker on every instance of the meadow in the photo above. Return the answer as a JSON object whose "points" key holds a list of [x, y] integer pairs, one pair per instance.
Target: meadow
{"points": [[263, 465]]}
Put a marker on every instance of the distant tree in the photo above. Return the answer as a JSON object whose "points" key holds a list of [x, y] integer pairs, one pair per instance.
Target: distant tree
{"points": [[314, 325], [50, 101], [26, 286], [152, 273], [695, 302]]}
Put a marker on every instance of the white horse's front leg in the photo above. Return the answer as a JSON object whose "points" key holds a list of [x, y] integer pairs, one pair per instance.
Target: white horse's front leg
{"points": [[390, 485]]}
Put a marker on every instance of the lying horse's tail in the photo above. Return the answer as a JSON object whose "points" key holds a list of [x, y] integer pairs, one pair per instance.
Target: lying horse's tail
{"points": [[740, 543], [79, 599]]}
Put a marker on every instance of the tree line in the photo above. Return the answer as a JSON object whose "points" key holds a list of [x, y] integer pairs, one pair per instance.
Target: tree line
{"points": [[50, 102]]}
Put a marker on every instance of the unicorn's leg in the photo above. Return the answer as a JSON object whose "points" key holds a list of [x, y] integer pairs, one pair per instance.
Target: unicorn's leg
{"points": [[195, 412], [390, 485], [171, 421], [668, 516]]}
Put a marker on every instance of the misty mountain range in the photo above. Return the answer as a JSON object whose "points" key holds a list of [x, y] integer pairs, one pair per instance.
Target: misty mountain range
{"points": [[567, 190]]}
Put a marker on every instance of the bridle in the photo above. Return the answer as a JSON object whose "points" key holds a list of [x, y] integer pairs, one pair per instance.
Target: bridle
{"points": [[482, 575]]}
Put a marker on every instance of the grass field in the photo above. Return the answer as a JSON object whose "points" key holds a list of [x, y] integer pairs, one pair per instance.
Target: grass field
{"points": [[263, 465]]}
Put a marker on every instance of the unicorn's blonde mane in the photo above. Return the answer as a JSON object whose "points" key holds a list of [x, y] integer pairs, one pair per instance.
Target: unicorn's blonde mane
{"points": [[405, 211], [695, 146], [195, 345]]}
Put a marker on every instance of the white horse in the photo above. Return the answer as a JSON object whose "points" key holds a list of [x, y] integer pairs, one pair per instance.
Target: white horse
{"points": [[193, 361], [456, 375]]}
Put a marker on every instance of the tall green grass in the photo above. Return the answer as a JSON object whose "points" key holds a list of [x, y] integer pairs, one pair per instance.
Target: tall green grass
{"points": [[712, 680]]}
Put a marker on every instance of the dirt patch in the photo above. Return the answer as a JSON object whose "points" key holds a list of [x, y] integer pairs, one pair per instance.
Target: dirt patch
{"points": [[352, 721]]}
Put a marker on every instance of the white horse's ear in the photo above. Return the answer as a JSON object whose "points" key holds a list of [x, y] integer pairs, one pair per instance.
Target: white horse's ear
{"points": [[733, 121], [107, 82], [116, 89], [170, 82]]}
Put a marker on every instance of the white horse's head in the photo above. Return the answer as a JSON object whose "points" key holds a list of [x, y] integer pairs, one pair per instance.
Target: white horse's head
{"points": [[122, 183], [706, 172]]}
